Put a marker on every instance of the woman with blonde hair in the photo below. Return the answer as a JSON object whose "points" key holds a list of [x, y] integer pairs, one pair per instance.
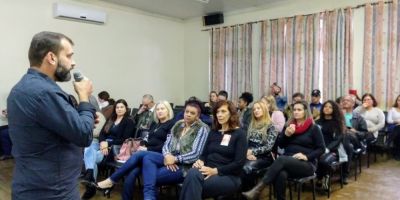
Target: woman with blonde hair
{"points": [[277, 117], [303, 143], [261, 137], [163, 122]]}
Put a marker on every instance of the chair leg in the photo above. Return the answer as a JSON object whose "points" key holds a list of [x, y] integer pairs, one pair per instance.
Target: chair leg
{"points": [[290, 190], [355, 170], [313, 188], [300, 189], [270, 191], [341, 175], [330, 183], [359, 163]]}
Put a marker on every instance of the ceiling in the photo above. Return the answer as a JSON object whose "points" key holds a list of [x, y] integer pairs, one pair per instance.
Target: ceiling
{"points": [[186, 9]]}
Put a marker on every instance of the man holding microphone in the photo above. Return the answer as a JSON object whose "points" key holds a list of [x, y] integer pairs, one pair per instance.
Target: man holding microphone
{"points": [[46, 130]]}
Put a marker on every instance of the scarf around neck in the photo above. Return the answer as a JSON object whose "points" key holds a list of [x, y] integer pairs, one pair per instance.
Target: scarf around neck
{"points": [[301, 128]]}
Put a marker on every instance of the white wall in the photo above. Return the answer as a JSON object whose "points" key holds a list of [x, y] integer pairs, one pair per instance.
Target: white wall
{"points": [[132, 54], [197, 48]]}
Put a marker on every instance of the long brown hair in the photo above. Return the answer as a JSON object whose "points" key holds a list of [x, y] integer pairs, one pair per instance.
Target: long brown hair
{"points": [[233, 120], [113, 117]]}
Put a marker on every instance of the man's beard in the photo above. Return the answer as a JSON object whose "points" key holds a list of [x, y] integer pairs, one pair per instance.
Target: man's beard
{"points": [[62, 74]]}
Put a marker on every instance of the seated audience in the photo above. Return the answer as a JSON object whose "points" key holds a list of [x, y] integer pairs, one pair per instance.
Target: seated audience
{"points": [[213, 98], [303, 143], [394, 128], [315, 105], [245, 109], [295, 98], [277, 117], [155, 141], [144, 116], [357, 101], [118, 128], [373, 115], [280, 100], [332, 126], [181, 149], [204, 117], [355, 132], [261, 138], [106, 103], [216, 172], [222, 95]]}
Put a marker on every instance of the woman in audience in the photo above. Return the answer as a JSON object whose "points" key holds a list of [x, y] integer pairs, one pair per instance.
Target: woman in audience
{"points": [[212, 101], [332, 125], [217, 170], [374, 116], [394, 128], [118, 128], [303, 143], [157, 135], [181, 149], [106, 104], [277, 116], [261, 138]]}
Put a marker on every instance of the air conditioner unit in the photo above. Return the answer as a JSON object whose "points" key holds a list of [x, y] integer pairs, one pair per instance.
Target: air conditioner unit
{"points": [[78, 13]]}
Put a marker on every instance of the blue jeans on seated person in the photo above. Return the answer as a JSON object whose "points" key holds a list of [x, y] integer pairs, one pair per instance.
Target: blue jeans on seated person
{"points": [[132, 167], [92, 156], [155, 173], [6, 144]]}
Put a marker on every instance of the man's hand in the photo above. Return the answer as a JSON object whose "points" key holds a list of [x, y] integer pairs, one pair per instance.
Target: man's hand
{"points": [[84, 89]]}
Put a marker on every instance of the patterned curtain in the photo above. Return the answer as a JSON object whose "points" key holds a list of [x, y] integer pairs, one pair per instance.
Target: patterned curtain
{"points": [[337, 44], [231, 59], [381, 75], [289, 54]]}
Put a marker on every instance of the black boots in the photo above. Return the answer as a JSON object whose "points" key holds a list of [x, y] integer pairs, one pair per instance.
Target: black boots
{"points": [[88, 178], [89, 193], [89, 182], [254, 193]]}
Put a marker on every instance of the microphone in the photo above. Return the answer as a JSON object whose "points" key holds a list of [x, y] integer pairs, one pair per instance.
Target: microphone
{"points": [[78, 76]]}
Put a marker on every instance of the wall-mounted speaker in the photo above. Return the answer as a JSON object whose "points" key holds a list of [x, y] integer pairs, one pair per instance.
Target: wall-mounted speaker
{"points": [[213, 19]]}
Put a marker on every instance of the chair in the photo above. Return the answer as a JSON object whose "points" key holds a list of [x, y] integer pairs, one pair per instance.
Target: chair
{"points": [[357, 162], [333, 168], [299, 183]]}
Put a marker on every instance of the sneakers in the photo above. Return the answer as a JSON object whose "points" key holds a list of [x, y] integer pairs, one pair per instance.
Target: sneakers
{"points": [[325, 182]]}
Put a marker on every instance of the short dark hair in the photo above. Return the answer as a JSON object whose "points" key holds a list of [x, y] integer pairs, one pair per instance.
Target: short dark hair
{"points": [[233, 120], [104, 95], [45, 42], [375, 103], [195, 102], [247, 97], [223, 93], [298, 94]]}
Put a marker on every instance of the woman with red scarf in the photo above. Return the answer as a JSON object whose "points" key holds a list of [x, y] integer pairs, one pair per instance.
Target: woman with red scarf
{"points": [[303, 144]]}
